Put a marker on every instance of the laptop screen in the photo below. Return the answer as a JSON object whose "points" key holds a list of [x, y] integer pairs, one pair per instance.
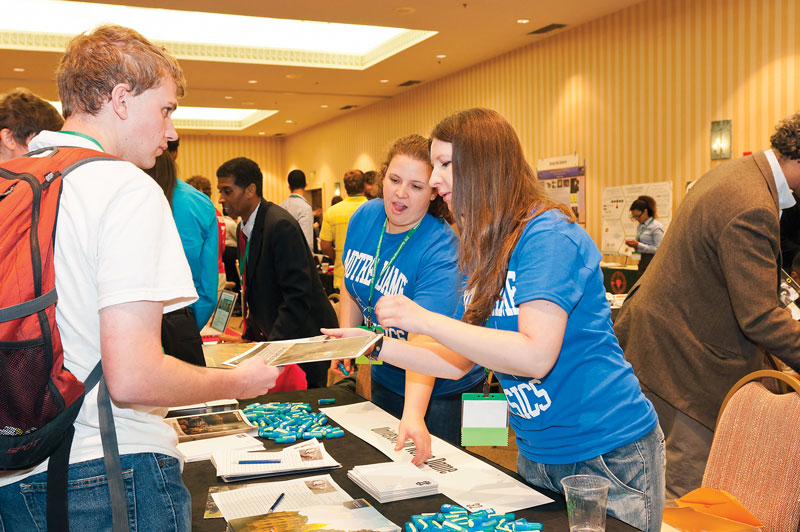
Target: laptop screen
{"points": [[222, 314]]}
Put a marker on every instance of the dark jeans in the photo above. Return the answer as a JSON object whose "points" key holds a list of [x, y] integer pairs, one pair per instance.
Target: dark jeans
{"points": [[181, 338], [443, 417]]}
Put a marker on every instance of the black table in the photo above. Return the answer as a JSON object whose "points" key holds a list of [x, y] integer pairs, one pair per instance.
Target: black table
{"points": [[350, 451]]}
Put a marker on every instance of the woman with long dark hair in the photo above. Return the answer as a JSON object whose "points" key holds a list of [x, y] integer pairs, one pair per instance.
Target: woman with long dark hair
{"points": [[534, 311]]}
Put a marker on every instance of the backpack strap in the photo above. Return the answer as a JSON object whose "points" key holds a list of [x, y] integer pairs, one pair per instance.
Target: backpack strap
{"points": [[111, 459], [31, 306]]}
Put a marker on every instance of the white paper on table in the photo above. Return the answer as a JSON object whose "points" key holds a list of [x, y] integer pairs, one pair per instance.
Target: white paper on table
{"points": [[298, 493], [197, 450], [470, 482], [307, 455]]}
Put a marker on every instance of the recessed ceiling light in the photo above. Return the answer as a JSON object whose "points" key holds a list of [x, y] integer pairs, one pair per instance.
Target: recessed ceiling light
{"points": [[324, 106], [290, 121], [384, 81], [252, 81], [522, 21], [229, 97], [260, 132], [441, 56], [294, 76], [213, 118], [19, 69], [236, 38]]}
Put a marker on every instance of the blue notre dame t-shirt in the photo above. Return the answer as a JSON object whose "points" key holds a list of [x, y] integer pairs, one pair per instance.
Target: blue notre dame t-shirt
{"points": [[590, 403], [425, 271]]}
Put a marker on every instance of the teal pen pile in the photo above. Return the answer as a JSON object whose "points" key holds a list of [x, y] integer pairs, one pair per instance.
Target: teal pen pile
{"points": [[289, 422], [454, 518]]}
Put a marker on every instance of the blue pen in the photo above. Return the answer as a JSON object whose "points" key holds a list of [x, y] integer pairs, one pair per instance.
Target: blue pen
{"points": [[275, 504], [259, 462], [343, 369]]}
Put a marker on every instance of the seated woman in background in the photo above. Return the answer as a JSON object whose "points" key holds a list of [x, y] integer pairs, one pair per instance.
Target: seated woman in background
{"points": [[414, 254], [196, 221], [649, 233], [534, 310]]}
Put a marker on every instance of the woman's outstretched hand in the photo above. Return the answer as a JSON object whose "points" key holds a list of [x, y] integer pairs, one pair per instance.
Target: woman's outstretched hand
{"points": [[402, 313]]}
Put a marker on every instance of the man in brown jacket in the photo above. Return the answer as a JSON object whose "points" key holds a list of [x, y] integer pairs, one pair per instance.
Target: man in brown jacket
{"points": [[692, 325]]}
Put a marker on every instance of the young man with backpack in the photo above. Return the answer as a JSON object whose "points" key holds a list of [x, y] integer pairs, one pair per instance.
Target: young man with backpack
{"points": [[118, 266]]}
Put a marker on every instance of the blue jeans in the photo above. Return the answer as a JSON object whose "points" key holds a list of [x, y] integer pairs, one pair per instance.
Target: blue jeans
{"points": [[157, 498], [443, 416], [636, 472]]}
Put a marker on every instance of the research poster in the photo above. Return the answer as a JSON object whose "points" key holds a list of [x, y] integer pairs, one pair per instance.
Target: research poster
{"points": [[617, 223], [564, 178]]}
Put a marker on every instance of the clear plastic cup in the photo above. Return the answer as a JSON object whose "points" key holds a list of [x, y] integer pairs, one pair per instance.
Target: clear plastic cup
{"points": [[587, 496]]}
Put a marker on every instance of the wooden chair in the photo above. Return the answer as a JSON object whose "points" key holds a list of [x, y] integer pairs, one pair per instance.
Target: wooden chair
{"points": [[755, 455]]}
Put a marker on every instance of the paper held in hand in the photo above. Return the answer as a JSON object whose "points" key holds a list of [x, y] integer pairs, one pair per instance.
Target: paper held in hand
{"points": [[306, 350]]}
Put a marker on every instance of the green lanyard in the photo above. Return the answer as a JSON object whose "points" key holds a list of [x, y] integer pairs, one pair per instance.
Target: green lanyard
{"points": [[409, 234], [642, 227], [84, 135], [243, 262]]}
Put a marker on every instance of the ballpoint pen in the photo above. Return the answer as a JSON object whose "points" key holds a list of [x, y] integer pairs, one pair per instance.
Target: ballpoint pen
{"points": [[275, 504]]}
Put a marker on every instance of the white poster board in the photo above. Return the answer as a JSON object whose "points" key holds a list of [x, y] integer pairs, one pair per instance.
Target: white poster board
{"points": [[470, 482], [617, 223]]}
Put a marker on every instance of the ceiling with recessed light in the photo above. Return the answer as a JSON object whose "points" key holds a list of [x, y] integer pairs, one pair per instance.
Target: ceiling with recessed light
{"points": [[287, 85]]}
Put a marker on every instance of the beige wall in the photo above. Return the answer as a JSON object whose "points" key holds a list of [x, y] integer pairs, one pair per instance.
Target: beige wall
{"points": [[634, 93], [203, 154]]}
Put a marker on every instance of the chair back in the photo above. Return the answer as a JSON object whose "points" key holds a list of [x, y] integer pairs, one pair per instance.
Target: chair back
{"points": [[755, 455]]}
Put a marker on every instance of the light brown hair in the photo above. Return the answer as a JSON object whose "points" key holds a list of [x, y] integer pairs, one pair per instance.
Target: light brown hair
{"points": [[354, 182], [414, 147], [495, 194], [96, 62]]}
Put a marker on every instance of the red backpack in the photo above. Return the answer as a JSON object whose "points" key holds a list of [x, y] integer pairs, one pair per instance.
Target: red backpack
{"points": [[40, 398]]}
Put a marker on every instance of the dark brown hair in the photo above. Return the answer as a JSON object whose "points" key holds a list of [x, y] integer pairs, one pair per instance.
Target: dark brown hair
{"points": [[354, 182], [644, 202], [165, 174], [415, 147], [495, 194], [25, 114], [786, 139], [96, 62]]}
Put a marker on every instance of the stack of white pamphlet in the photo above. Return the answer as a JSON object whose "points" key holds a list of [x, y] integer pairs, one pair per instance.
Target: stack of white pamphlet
{"points": [[309, 455], [197, 450], [393, 481]]}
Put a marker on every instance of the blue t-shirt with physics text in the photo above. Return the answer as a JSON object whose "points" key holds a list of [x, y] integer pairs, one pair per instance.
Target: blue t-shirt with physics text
{"points": [[590, 403], [425, 271]]}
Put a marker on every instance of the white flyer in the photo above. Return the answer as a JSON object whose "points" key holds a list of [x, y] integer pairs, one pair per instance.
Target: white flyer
{"points": [[470, 482]]}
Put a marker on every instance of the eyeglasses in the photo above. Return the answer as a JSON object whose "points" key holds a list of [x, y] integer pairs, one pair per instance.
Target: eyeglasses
{"points": [[635, 216]]}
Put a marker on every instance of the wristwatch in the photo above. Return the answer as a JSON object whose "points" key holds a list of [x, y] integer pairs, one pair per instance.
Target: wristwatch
{"points": [[373, 355]]}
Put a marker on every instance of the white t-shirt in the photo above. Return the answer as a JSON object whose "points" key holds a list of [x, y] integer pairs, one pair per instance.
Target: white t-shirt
{"points": [[116, 242]]}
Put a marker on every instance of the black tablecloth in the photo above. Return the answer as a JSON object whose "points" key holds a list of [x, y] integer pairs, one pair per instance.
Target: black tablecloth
{"points": [[350, 451]]}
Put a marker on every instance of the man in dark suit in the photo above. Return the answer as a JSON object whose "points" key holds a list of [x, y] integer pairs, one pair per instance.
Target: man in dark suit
{"points": [[691, 327], [283, 295]]}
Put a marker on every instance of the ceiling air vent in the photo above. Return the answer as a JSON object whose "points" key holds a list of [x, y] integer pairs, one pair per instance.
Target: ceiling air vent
{"points": [[409, 83], [278, 135], [347, 107], [547, 29]]}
